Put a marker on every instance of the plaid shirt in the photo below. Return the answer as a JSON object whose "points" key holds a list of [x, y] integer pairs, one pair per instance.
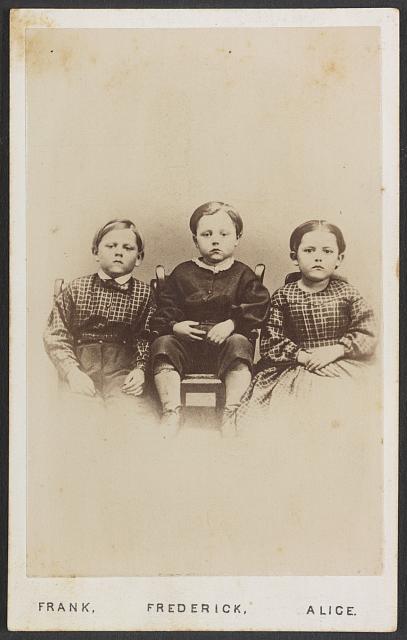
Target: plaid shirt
{"points": [[89, 311], [301, 320]]}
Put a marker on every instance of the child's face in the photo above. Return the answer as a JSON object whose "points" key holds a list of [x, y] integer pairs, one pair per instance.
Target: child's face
{"points": [[318, 255], [117, 253], [216, 237]]}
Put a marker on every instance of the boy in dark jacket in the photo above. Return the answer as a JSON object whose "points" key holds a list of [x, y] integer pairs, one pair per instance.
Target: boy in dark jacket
{"points": [[206, 312]]}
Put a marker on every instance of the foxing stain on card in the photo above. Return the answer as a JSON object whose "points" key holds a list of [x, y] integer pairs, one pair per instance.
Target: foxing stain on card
{"points": [[20, 21], [330, 71]]}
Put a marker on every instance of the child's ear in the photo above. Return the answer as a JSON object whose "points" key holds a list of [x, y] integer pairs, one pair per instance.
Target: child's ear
{"points": [[96, 256], [293, 256], [139, 259], [238, 239], [195, 240], [340, 258]]}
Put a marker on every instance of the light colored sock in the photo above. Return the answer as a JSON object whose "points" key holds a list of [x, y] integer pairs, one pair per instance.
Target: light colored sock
{"points": [[237, 380], [168, 384]]}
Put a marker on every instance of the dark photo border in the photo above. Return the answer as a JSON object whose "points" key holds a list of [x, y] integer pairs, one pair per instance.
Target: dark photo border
{"points": [[5, 7]]}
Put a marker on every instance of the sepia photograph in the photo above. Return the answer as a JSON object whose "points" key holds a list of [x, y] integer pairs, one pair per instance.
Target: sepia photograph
{"points": [[204, 255]]}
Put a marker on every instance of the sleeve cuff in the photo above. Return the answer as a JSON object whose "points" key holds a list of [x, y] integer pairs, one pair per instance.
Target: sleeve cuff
{"points": [[347, 346], [66, 366]]}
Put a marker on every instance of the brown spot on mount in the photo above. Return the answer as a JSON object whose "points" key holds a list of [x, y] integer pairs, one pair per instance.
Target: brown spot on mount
{"points": [[20, 20], [331, 71]]}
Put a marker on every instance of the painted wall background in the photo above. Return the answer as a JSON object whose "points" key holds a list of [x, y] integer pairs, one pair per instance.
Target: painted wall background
{"points": [[282, 123]]}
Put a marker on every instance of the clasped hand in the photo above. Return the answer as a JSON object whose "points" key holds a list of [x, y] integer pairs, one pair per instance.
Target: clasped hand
{"points": [[187, 329], [221, 331], [318, 360]]}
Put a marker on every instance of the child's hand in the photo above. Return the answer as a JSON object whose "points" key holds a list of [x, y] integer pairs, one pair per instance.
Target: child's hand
{"points": [[221, 331], [79, 382], [321, 356], [303, 357], [330, 371], [134, 383], [187, 330]]}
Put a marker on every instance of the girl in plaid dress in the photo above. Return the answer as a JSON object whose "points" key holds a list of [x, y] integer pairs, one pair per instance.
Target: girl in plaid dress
{"points": [[98, 331], [319, 335]]}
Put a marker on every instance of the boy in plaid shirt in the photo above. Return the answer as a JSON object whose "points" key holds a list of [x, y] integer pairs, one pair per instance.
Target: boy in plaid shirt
{"points": [[98, 330]]}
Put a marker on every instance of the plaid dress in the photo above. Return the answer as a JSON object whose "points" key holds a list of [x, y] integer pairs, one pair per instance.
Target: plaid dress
{"points": [[90, 311], [304, 320]]}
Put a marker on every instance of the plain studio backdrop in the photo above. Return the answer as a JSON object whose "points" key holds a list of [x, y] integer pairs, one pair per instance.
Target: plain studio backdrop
{"points": [[147, 124]]}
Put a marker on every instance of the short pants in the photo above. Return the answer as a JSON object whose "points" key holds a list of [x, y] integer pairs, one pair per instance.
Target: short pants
{"points": [[203, 357]]}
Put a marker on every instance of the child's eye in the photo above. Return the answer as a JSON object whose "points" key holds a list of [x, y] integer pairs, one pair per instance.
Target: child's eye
{"points": [[308, 250], [129, 248], [328, 250], [206, 234]]}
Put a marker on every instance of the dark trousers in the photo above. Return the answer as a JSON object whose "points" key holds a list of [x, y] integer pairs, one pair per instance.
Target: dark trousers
{"points": [[203, 357], [108, 365]]}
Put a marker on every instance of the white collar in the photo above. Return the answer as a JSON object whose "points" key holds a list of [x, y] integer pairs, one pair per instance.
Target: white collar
{"points": [[121, 279], [221, 266]]}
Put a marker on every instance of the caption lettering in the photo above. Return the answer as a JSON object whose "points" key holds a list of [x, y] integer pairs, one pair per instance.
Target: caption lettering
{"points": [[331, 610], [66, 607], [194, 607]]}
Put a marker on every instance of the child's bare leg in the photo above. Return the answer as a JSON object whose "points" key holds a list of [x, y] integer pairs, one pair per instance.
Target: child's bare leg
{"points": [[168, 383], [237, 380]]}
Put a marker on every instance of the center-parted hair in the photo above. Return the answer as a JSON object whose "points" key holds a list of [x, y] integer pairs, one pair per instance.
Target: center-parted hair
{"points": [[114, 225], [209, 208], [315, 225]]}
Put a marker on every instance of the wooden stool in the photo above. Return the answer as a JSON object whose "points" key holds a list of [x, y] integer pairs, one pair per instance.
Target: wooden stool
{"points": [[202, 390]]}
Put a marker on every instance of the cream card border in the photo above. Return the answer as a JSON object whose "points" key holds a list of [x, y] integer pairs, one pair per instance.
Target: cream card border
{"points": [[270, 603]]}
